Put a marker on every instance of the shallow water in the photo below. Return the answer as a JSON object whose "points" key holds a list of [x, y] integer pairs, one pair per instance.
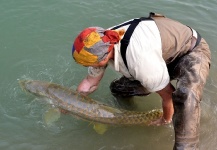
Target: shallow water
{"points": [[35, 43]]}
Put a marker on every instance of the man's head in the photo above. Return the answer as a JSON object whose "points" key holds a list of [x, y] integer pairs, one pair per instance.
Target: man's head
{"points": [[93, 44]]}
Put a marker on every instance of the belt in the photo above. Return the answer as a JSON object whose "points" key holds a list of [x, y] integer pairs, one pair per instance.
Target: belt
{"points": [[196, 39]]}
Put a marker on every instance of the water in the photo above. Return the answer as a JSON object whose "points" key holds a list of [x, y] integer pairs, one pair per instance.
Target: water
{"points": [[35, 43]]}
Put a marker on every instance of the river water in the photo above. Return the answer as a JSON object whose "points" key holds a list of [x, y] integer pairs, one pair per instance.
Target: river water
{"points": [[35, 43]]}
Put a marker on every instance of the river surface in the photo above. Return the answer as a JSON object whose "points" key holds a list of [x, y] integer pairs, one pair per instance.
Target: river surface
{"points": [[36, 37]]}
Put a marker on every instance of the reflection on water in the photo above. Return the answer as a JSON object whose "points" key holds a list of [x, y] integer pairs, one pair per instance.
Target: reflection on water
{"points": [[35, 43]]}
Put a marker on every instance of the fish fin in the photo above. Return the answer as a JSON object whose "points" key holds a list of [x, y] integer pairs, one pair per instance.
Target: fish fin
{"points": [[100, 128], [51, 116]]}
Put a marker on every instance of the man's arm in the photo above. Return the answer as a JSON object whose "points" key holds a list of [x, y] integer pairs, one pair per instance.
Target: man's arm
{"points": [[167, 105], [90, 83]]}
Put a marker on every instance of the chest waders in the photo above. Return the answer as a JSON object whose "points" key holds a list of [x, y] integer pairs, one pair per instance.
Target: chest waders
{"points": [[188, 93]]}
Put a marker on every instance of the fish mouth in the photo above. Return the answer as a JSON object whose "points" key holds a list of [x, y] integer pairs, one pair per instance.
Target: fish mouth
{"points": [[22, 84], [33, 86]]}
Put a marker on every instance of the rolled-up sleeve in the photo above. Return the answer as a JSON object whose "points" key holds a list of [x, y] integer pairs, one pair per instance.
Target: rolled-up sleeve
{"points": [[96, 71]]}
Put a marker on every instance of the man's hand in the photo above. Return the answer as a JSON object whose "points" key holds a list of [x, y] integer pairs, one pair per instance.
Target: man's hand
{"points": [[167, 105], [89, 84], [90, 90], [160, 121]]}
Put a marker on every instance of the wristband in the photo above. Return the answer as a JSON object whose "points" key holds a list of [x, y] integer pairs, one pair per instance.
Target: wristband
{"points": [[95, 71]]}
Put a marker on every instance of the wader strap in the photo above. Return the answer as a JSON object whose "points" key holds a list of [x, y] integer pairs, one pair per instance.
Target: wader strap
{"points": [[126, 39], [198, 39], [197, 36]]}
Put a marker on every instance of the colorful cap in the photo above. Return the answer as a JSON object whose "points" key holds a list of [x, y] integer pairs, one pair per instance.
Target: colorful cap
{"points": [[93, 44]]}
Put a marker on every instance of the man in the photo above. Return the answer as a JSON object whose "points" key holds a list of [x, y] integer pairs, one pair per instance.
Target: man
{"points": [[152, 51]]}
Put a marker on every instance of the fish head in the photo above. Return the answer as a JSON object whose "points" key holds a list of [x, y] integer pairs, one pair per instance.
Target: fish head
{"points": [[34, 86]]}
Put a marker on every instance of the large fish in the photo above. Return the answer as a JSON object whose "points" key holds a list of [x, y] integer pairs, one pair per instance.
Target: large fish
{"points": [[87, 108]]}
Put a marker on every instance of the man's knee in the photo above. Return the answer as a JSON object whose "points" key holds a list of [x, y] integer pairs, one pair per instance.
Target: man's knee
{"points": [[180, 95]]}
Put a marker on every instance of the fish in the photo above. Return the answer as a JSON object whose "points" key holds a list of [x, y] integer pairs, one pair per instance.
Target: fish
{"points": [[85, 107]]}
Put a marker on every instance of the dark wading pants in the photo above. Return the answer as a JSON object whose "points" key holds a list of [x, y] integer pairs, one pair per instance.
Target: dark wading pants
{"points": [[190, 71]]}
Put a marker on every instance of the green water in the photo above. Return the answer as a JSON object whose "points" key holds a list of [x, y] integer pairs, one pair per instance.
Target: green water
{"points": [[35, 43]]}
